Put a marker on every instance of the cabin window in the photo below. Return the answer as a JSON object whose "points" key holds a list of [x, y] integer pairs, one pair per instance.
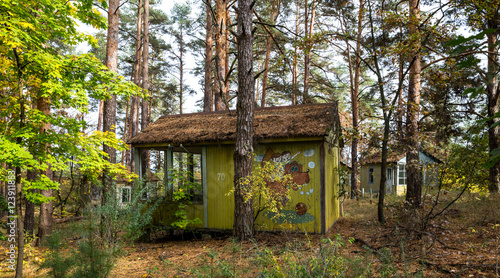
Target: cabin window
{"points": [[402, 175], [371, 178], [125, 195], [187, 176]]}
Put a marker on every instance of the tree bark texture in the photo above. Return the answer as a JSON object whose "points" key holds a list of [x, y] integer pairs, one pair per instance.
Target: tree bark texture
{"points": [[19, 192], [309, 27], [208, 98], [295, 72], [274, 18], [29, 212], [134, 103], [145, 82], [45, 225], [355, 105], [221, 37], [493, 96], [414, 179], [243, 209], [109, 115]]}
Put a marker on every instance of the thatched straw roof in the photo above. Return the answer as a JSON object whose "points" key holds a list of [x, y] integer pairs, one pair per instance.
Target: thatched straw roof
{"points": [[310, 120], [393, 156]]}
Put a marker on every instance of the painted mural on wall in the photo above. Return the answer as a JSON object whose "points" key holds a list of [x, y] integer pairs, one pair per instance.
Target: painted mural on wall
{"points": [[297, 212]]}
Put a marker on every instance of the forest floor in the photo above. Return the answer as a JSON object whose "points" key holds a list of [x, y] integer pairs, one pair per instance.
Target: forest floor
{"points": [[462, 241]]}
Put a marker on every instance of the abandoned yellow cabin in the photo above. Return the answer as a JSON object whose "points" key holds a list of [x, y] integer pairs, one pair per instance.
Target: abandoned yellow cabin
{"points": [[304, 137]]}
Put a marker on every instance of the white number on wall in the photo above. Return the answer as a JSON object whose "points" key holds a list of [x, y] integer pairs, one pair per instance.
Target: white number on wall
{"points": [[221, 176]]}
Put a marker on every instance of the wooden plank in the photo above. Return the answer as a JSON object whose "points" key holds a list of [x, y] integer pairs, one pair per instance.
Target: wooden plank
{"points": [[137, 160], [169, 163], [165, 171], [322, 186], [204, 178]]}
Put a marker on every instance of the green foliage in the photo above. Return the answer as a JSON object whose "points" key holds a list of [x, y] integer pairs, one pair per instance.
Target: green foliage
{"points": [[33, 71], [466, 163], [326, 261], [268, 187], [102, 234], [182, 196]]}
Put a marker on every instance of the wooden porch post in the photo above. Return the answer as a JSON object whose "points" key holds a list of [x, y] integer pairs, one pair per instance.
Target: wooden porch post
{"points": [[137, 160], [168, 171], [204, 178]]}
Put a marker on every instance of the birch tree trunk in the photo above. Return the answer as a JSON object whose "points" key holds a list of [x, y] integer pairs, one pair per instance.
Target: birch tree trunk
{"points": [[243, 209], [414, 180]]}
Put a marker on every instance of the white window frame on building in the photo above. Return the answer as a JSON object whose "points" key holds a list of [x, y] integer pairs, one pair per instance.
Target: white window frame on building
{"points": [[402, 174]]}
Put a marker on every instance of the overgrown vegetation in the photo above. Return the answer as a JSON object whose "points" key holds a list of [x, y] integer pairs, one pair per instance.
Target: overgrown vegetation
{"points": [[464, 240], [91, 247]]}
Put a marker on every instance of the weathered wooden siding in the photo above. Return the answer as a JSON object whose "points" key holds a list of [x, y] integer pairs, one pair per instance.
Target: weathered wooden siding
{"points": [[306, 198], [220, 171], [332, 165], [302, 211], [220, 175]]}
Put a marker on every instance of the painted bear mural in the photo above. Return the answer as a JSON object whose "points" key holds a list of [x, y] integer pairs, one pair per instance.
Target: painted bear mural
{"points": [[300, 178], [292, 167]]}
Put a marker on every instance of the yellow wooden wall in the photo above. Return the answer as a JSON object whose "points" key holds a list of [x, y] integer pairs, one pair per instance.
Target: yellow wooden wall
{"points": [[220, 174], [332, 165], [308, 155]]}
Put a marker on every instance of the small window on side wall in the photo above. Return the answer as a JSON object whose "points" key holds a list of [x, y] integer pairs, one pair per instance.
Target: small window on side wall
{"points": [[125, 195], [371, 178]]}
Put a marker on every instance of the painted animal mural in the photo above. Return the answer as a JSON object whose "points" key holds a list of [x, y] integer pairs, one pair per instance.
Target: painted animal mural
{"points": [[300, 178]]}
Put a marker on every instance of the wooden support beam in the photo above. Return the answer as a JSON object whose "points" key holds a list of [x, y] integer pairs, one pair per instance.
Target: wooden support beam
{"points": [[137, 160], [204, 178]]}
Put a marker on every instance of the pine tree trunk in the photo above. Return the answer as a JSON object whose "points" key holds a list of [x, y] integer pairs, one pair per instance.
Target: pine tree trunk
{"points": [[414, 180], [100, 113], [209, 95], [295, 74], [45, 225], [355, 105], [145, 83], [243, 209], [309, 27], [19, 192], [266, 68], [109, 115], [29, 212], [220, 52], [134, 105], [181, 71], [493, 96]]}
